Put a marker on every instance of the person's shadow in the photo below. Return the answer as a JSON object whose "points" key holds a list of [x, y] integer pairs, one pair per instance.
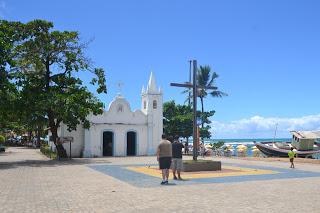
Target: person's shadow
{"points": [[170, 184]]}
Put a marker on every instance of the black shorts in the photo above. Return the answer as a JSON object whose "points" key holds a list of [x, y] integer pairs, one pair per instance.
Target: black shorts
{"points": [[164, 162], [291, 160]]}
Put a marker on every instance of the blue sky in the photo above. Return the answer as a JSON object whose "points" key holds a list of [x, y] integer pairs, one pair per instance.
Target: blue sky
{"points": [[266, 53]]}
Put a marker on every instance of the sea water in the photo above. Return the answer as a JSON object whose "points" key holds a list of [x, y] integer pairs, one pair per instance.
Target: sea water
{"points": [[247, 142], [250, 143]]}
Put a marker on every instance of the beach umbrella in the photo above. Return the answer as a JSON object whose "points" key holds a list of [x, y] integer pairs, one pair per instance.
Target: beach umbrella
{"points": [[208, 146], [242, 147]]}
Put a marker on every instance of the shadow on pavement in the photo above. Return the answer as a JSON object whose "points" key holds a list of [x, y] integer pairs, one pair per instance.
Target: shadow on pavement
{"points": [[47, 163]]}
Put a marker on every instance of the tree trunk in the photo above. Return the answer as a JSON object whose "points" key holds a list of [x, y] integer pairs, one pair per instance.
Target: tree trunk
{"points": [[61, 152], [202, 122], [29, 137], [38, 137]]}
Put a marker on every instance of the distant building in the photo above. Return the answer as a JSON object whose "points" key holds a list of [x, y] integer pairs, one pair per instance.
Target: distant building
{"points": [[304, 140], [119, 131]]}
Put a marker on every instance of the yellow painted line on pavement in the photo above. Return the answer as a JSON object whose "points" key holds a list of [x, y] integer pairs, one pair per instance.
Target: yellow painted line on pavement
{"points": [[235, 171]]}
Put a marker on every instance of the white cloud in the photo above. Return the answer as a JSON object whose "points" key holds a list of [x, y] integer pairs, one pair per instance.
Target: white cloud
{"points": [[260, 127]]}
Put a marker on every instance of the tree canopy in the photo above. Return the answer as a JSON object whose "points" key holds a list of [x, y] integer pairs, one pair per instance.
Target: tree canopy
{"points": [[40, 66], [178, 120]]}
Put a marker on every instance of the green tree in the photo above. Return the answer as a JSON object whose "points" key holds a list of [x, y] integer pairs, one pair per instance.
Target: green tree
{"points": [[177, 119], [205, 121], [33, 118], [10, 34], [46, 65], [206, 78]]}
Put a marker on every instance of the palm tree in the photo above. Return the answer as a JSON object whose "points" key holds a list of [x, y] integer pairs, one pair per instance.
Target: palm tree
{"points": [[206, 78]]}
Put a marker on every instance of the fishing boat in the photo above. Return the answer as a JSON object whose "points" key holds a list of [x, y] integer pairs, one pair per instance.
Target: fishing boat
{"points": [[304, 143]]}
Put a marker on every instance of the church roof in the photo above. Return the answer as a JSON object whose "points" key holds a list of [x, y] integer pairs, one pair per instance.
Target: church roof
{"points": [[119, 99], [152, 86]]}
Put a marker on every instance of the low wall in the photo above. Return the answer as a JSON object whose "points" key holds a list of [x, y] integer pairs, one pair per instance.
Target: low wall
{"points": [[194, 166]]}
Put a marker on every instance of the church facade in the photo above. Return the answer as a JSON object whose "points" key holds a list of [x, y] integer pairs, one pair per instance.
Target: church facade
{"points": [[120, 131]]}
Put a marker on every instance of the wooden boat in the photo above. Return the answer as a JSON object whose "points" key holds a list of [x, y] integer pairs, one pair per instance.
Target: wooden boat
{"points": [[282, 145], [273, 151]]}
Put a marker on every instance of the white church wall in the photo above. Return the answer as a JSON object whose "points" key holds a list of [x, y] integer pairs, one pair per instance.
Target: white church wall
{"points": [[152, 107], [77, 145], [119, 139], [157, 124], [87, 143], [119, 113]]}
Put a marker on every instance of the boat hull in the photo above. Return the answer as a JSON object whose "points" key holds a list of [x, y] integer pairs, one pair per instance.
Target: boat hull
{"points": [[276, 152]]}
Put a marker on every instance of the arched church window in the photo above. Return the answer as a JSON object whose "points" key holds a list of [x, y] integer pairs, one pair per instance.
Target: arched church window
{"points": [[154, 104], [144, 105]]}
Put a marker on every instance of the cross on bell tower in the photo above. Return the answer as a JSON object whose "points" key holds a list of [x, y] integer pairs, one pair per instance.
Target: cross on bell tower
{"points": [[119, 85]]}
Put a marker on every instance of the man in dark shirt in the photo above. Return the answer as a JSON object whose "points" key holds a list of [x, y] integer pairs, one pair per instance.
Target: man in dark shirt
{"points": [[177, 158]]}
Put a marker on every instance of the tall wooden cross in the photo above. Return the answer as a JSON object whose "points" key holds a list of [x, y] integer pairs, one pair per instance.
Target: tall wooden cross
{"points": [[195, 88]]}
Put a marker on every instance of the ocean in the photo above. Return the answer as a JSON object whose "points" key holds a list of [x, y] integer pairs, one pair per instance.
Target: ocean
{"points": [[246, 141], [249, 143]]}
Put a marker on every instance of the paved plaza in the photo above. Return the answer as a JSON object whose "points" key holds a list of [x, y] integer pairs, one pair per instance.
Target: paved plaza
{"points": [[30, 182]]}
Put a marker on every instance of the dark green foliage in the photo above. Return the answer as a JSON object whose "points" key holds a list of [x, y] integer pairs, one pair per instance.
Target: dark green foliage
{"points": [[177, 119], [205, 127], [45, 149], [43, 63], [2, 139], [10, 33], [217, 145]]}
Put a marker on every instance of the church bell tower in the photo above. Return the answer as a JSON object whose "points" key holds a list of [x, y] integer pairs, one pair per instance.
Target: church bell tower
{"points": [[152, 106]]}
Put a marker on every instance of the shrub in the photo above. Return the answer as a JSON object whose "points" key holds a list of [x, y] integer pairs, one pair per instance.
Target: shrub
{"points": [[2, 139], [217, 145], [45, 149]]}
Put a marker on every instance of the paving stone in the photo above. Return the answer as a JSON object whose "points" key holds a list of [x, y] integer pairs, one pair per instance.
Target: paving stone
{"points": [[29, 182]]}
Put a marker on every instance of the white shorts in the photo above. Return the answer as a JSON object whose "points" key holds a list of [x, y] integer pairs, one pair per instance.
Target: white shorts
{"points": [[176, 164]]}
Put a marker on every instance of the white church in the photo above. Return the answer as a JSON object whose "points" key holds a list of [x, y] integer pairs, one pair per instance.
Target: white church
{"points": [[120, 131]]}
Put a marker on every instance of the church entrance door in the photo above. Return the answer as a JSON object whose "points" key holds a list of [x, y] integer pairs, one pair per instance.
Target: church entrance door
{"points": [[108, 143], [131, 143]]}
